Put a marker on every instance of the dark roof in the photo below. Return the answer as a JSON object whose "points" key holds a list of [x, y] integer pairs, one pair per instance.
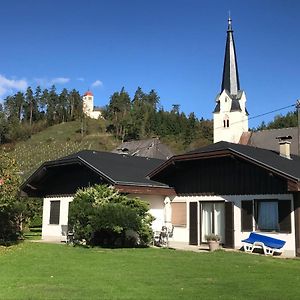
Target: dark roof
{"points": [[152, 148], [127, 173], [272, 159], [230, 81], [265, 158], [119, 169], [267, 138]]}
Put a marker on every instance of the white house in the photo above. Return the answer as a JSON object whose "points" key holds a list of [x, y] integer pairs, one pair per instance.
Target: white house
{"points": [[231, 190], [57, 182]]}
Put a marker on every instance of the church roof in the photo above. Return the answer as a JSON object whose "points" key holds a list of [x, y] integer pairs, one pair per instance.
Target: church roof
{"points": [[230, 80], [88, 93], [235, 104]]}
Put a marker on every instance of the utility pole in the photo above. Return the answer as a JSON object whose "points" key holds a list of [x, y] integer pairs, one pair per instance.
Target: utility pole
{"points": [[298, 111]]}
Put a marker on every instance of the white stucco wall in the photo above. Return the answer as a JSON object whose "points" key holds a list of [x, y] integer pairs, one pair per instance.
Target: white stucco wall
{"points": [[182, 233], [156, 209], [54, 231]]}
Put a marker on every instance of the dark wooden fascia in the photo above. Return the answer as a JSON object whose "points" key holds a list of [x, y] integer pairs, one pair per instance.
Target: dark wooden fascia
{"points": [[147, 190]]}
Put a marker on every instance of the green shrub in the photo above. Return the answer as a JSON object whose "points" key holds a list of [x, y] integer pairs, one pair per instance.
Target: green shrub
{"points": [[35, 221], [100, 215]]}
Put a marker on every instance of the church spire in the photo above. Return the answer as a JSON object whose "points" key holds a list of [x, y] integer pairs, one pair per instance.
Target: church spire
{"points": [[230, 80]]}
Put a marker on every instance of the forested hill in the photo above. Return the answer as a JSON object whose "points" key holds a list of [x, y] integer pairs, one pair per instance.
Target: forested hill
{"points": [[41, 125]]}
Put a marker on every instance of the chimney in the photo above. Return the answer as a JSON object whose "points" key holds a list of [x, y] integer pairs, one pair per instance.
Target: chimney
{"points": [[285, 146]]}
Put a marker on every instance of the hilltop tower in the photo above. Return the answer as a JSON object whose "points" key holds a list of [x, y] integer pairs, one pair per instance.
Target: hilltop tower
{"points": [[88, 106], [230, 114]]}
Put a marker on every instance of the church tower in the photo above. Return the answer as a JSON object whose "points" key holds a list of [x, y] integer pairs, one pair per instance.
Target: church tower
{"points": [[88, 106], [230, 114], [88, 102]]}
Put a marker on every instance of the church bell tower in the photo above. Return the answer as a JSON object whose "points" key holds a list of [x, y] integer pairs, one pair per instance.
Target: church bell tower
{"points": [[230, 114]]}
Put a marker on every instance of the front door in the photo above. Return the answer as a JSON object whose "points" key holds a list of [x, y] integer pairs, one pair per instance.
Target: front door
{"points": [[212, 220]]}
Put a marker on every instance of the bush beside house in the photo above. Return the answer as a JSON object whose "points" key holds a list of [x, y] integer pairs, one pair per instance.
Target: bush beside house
{"points": [[100, 215]]}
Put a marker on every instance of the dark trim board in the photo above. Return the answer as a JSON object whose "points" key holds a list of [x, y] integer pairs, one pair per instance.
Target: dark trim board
{"points": [[134, 189]]}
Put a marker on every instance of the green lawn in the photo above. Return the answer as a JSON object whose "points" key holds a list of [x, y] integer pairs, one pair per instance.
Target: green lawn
{"points": [[49, 271]]}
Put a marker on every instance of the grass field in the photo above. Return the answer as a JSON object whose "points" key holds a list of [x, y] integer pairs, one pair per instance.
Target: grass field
{"points": [[49, 271]]}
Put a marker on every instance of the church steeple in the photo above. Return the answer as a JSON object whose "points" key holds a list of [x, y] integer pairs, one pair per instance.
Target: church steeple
{"points": [[230, 81], [230, 114]]}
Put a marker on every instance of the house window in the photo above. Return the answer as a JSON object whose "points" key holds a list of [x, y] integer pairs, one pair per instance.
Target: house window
{"points": [[54, 212], [267, 216], [178, 213]]}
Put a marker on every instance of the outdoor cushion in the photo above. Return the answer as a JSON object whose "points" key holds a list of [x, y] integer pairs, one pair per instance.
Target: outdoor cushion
{"points": [[266, 240]]}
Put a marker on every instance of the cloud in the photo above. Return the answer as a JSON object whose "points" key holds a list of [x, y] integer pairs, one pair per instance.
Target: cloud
{"points": [[11, 85], [97, 83], [45, 82], [60, 80], [80, 79]]}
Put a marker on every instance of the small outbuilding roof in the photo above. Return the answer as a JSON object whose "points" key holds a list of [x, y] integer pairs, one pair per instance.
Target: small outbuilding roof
{"points": [[124, 171]]}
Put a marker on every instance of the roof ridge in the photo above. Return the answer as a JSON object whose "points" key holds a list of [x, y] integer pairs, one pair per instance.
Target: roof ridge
{"points": [[273, 129]]}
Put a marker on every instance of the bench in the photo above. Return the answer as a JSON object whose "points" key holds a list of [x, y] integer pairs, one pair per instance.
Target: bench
{"points": [[268, 244]]}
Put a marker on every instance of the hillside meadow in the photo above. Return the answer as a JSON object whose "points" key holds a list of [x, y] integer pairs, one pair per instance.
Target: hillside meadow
{"points": [[58, 141]]}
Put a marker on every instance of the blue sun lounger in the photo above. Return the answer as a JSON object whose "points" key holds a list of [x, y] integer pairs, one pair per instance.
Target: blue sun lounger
{"points": [[268, 244]]}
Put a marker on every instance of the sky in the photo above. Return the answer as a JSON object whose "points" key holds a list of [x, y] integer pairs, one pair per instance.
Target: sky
{"points": [[174, 47]]}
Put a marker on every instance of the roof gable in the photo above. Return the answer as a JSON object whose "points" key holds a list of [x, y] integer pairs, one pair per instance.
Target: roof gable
{"points": [[113, 168], [271, 160]]}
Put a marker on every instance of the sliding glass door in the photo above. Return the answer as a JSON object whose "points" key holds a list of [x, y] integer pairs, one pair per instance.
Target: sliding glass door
{"points": [[212, 219]]}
